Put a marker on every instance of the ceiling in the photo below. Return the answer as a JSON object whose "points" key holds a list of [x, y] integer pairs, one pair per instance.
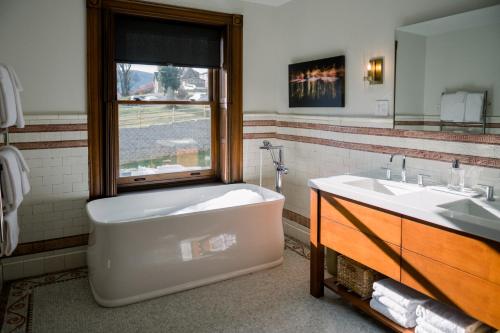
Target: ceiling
{"points": [[274, 3]]}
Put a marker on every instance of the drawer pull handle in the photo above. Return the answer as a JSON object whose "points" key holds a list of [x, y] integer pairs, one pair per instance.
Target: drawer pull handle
{"points": [[139, 179], [195, 173]]}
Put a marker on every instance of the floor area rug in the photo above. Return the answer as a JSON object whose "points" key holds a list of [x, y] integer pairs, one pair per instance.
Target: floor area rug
{"points": [[274, 300]]}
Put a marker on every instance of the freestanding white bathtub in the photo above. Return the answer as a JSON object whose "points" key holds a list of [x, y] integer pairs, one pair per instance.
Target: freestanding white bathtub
{"points": [[159, 242]]}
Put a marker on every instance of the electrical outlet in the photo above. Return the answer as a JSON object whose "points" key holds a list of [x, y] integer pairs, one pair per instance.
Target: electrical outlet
{"points": [[382, 107]]}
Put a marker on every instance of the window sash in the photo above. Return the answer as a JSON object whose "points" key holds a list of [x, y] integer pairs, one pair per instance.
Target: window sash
{"points": [[171, 177]]}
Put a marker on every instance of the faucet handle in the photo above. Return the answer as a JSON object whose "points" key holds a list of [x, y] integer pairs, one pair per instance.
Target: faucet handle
{"points": [[420, 179], [489, 191], [388, 172]]}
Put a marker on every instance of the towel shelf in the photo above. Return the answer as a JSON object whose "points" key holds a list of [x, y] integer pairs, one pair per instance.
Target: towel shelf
{"points": [[5, 132], [364, 306]]}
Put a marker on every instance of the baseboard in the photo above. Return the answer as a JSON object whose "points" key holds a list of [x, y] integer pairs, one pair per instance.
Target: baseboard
{"points": [[296, 231], [42, 263]]}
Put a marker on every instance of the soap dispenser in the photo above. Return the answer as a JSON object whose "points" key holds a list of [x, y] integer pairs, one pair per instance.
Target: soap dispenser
{"points": [[457, 177]]}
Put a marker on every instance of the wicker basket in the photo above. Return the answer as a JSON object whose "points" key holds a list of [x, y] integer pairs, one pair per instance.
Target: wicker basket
{"points": [[356, 276]]}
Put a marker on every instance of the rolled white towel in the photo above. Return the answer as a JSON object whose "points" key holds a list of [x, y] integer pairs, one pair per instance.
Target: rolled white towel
{"points": [[10, 233], [406, 320], [399, 293], [449, 319]]}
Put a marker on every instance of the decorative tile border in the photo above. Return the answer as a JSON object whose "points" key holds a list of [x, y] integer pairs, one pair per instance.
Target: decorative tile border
{"points": [[438, 123], [411, 134], [49, 128], [17, 299], [17, 296], [50, 144], [268, 135], [297, 218], [50, 245]]}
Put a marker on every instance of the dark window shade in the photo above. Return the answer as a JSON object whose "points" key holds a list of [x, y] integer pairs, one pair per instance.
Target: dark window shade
{"points": [[160, 42]]}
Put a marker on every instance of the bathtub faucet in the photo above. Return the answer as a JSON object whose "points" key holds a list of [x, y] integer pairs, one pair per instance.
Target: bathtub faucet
{"points": [[277, 161]]}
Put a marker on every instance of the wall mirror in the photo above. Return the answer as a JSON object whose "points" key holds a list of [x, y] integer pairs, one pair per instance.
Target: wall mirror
{"points": [[448, 74]]}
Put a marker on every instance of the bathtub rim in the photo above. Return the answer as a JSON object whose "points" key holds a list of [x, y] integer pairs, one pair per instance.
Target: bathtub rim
{"points": [[182, 287], [279, 197]]}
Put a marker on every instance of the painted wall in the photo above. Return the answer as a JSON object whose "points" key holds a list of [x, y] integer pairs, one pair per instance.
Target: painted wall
{"points": [[475, 52], [45, 42], [359, 29], [46, 47]]}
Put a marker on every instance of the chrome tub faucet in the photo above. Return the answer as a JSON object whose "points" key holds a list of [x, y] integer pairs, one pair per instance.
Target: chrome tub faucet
{"points": [[278, 161]]}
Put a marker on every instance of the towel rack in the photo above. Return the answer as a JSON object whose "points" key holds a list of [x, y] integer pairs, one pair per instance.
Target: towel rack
{"points": [[468, 124], [5, 132]]}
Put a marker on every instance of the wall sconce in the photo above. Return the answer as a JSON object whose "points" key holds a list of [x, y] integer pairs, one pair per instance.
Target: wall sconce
{"points": [[375, 71]]}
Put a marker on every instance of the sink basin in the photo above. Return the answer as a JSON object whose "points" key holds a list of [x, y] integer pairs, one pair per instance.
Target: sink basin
{"points": [[481, 209], [384, 186]]}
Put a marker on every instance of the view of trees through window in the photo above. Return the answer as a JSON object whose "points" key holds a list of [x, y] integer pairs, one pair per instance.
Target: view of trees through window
{"points": [[169, 83], [156, 137]]}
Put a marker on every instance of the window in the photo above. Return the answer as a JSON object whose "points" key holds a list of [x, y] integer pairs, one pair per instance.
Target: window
{"points": [[164, 121], [164, 96]]}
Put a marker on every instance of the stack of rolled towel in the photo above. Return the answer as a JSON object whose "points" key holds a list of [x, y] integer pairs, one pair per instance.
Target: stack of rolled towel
{"points": [[396, 302], [434, 317]]}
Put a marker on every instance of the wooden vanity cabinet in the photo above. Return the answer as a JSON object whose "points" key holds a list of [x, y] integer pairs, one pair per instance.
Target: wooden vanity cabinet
{"points": [[451, 267]]}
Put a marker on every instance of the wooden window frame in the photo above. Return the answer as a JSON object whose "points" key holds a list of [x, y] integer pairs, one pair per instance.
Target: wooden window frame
{"points": [[226, 98]]}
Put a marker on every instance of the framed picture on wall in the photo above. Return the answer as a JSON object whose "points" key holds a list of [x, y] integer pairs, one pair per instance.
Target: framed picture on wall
{"points": [[318, 83]]}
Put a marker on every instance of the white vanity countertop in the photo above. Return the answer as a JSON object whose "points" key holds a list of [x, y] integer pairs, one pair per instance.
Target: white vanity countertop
{"points": [[474, 216]]}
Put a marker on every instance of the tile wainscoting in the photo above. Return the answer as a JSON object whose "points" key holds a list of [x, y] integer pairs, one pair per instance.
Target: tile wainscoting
{"points": [[54, 225], [319, 146]]}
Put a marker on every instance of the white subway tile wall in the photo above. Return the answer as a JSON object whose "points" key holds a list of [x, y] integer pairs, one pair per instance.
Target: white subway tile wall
{"points": [[305, 160], [59, 182]]}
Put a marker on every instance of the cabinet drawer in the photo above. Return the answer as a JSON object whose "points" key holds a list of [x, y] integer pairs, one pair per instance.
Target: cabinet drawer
{"points": [[478, 257], [477, 297], [383, 225], [370, 251]]}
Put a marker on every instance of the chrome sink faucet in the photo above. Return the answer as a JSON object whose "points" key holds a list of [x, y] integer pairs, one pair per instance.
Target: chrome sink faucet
{"points": [[403, 167]]}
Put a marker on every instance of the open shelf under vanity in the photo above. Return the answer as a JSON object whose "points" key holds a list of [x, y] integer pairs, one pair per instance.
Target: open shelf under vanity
{"points": [[363, 305]]}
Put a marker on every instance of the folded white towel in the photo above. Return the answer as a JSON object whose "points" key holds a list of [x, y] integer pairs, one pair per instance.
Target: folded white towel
{"points": [[11, 182], [11, 111], [393, 305], [448, 319], [25, 184], [406, 320], [420, 329], [399, 293], [453, 106], [427, 327], [474, 107], [10, 233]]}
